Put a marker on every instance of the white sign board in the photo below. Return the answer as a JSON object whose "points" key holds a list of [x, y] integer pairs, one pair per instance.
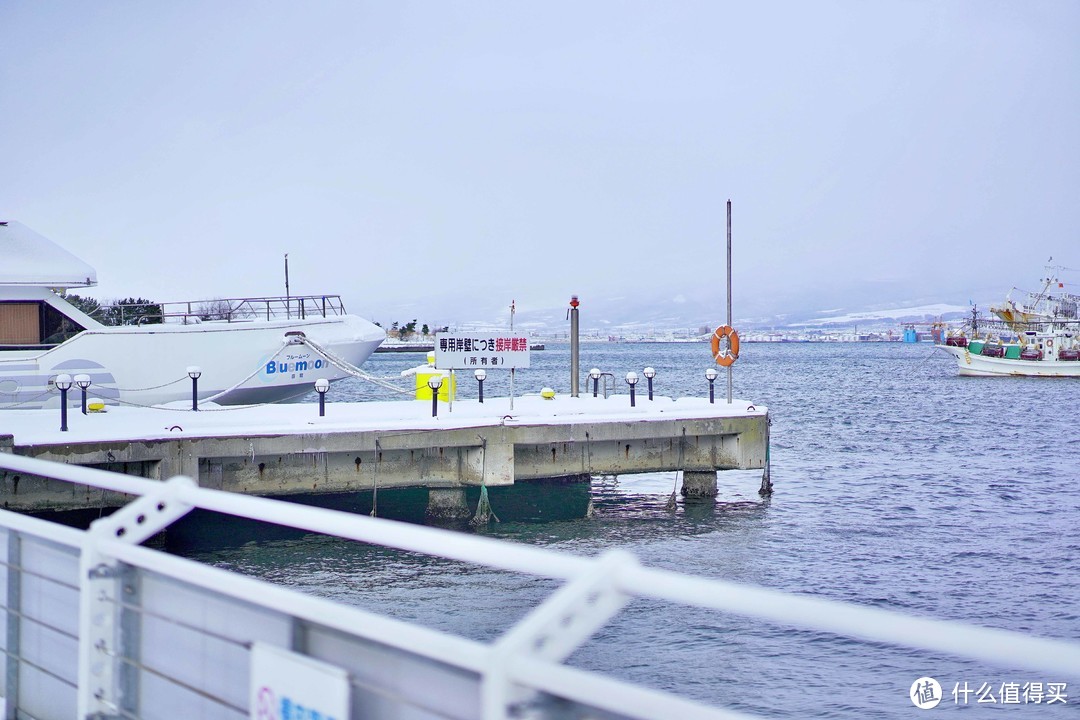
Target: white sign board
{"points": [[289, 686], [490, 351]]}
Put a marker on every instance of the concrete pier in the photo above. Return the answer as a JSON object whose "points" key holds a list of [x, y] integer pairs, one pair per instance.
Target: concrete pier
{"points": [[288, 449], [699, 484], [447, 504]]}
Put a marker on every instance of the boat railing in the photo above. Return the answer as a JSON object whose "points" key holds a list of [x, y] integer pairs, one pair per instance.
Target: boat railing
{"points": [[294, 307], [101, 625]]}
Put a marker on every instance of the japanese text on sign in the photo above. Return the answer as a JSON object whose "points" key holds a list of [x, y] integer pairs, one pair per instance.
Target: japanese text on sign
{"points": [[458, 352]]}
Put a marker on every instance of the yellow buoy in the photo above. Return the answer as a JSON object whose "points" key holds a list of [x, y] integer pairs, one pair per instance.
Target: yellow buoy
{"points": [[547, 394], [95, 406]]}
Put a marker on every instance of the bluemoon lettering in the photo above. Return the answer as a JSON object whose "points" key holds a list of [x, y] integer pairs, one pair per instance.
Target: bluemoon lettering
{"points": [[273, 367]]}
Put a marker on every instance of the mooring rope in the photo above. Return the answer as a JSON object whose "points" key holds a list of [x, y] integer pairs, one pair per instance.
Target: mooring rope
{"points": [[671, 502], [350, 369], [484, 513]]}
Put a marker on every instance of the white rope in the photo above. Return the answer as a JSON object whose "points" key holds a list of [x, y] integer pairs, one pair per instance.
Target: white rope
{"points": [[349, 369]]}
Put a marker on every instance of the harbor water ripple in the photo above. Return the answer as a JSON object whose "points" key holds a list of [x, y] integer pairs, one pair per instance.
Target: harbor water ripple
{"points": [[898, 484]]}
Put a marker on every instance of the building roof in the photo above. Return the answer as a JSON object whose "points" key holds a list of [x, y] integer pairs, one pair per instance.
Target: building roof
{"points": [[32, 259]]}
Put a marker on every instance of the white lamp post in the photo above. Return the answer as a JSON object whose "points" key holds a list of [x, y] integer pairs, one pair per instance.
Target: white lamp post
{"points": [[631, 380], [480, 376], [193, 372], [710, 375], [83, 381], [63, 384], [649, 374], [435, 382], [321, 386]]}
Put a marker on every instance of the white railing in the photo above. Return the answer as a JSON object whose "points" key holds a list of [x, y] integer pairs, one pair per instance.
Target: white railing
{"points": [[159, 631]]}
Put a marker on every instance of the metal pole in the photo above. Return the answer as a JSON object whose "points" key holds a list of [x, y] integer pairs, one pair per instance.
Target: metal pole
{"points": [[63, 410], [729, 293], [513, 309], [288, 304], [575, 348]]}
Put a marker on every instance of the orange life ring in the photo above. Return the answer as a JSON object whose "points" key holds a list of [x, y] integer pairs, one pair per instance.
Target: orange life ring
{"points": [[725, 357]]}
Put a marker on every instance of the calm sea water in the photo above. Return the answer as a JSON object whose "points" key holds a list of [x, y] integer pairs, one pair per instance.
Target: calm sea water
{"points": [[898, 484]]}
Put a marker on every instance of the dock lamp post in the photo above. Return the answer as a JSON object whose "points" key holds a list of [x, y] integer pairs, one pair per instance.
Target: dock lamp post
{"points": [[649, 374], [631, 380], [480, 376], [321, 386], [434, 382], [193, 372], [63, 384], [595, 375], [83, 381], [710, 375]]}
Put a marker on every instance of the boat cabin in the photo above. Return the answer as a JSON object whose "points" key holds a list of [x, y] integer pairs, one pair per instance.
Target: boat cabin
{"points": [[32, 315]]}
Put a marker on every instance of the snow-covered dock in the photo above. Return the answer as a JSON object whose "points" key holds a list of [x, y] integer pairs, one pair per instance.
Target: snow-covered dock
{"points": [[286, 449]]}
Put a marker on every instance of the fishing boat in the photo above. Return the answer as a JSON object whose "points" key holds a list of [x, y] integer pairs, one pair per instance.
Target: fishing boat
{"points": [[1038, 337], [230, 351]]}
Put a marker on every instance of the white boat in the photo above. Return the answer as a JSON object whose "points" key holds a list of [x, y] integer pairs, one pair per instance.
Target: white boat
{"points": [[1045, 338], [249, 350]]}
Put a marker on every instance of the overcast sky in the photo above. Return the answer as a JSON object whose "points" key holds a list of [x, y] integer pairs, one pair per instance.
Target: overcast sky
{"points": [[441, 158]]}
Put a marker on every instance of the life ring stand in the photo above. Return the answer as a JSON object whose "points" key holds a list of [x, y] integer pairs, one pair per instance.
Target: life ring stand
{"points": [[725, 357]]}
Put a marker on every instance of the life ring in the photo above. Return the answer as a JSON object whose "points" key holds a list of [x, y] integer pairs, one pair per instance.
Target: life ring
{"points": [[1049, 342], [725, 357]]}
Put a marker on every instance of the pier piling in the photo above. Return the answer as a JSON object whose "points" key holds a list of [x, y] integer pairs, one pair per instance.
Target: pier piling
{"points": [[699, 484]]}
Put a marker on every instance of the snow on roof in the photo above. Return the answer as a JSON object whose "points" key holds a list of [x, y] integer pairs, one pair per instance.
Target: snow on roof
{"points": [[32, 259]]}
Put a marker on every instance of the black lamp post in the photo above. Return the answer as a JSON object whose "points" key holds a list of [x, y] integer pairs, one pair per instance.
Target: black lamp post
{"points": [[193, 372], [595, 375], [435, 382], [631, 380], [63, 384], [321, 386], [710, 375], [649, 374], [480, 376], [83, 381]]}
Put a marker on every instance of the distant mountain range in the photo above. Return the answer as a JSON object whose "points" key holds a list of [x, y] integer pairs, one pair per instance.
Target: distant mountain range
{"points": [[635, 316], [644, 306]]}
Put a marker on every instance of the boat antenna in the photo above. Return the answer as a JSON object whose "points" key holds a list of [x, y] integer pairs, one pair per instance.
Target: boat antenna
{"points": [[288, 309]]}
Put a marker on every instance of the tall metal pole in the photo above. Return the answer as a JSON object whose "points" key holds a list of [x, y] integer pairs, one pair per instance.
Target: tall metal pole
{"points": [[288, 302], [575, 348], [729, 293], [512, 310]]}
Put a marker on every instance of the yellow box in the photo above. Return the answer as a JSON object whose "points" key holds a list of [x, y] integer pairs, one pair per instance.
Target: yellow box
{"points": [[447, 391]]}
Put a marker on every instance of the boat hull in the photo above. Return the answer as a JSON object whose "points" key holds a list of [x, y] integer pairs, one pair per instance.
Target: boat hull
{"points": [[241, 363], [980, 366]]}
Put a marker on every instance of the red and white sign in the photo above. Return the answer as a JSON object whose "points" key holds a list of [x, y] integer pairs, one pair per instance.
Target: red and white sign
{"points": [[490, 351]]}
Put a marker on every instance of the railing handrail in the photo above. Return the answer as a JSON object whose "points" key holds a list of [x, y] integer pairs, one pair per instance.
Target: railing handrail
{"points": [[228, 309], [615, 573]]}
